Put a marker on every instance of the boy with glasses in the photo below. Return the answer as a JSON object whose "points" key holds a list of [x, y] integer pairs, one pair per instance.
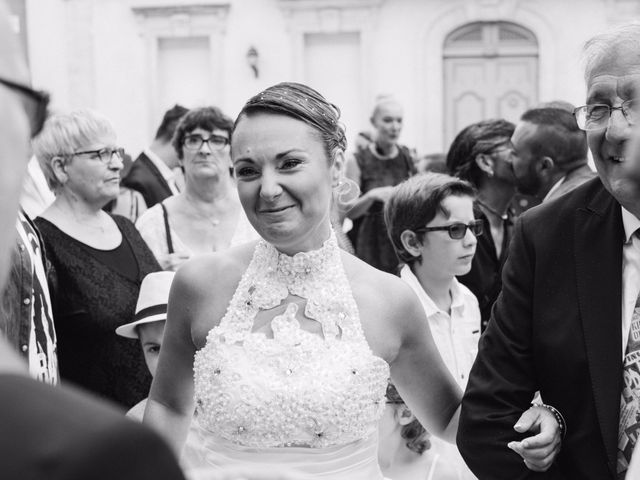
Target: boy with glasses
{"points": [[431, 224]]}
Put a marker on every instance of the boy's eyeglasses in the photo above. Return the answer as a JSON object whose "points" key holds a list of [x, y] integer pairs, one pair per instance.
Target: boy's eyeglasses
{"points": [[456, 230]]}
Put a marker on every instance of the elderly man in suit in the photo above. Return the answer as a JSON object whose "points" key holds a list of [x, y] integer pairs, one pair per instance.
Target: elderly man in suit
{"points": [[549, 153], [566, 322], [153, 173]]}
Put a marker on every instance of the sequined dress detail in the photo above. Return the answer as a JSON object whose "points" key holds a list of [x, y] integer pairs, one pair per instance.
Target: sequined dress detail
{"points": [[297, 388]]}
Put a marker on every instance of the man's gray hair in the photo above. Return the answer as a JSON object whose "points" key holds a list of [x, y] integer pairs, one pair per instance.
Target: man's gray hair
{"points": [[610, 43]]}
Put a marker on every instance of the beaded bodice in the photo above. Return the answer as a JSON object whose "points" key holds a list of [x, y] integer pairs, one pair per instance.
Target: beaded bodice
{"points": [[296, 387]]}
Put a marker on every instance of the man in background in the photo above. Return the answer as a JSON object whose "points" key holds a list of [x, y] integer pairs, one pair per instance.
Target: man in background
{"points": [[155, 173], [550, 153]]}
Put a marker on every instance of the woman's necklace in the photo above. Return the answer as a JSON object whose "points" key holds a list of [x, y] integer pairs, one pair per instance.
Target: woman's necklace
{"points": [[212, 220], [502, 216]]}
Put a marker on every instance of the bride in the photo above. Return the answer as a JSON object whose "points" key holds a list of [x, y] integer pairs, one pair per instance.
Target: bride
{"points": [[285, 346]]}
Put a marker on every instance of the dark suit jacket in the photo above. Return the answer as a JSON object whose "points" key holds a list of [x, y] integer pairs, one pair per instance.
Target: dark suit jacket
{"points": [[55, 433], [556, 327], [145, 177], [573, 179]]}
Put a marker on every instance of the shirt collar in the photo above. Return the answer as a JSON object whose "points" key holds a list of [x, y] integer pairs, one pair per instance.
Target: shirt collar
{"points": [[554, 188], [630, 223], [165, 171], [430, 308]]}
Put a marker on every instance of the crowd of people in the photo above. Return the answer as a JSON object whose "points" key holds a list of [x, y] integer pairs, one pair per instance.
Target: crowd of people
{"points": [[266, 303]]}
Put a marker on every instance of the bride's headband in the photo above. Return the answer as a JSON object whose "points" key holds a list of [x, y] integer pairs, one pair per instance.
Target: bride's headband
{"points": [[305, 104]]}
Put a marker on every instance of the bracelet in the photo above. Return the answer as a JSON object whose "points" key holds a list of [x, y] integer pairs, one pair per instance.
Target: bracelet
{"points": [[558, 416]]}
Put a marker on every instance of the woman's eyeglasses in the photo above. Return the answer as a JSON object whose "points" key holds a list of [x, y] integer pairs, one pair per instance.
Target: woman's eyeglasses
{"points": [[456, 230], [104, 154], [194, 142], [35, 104]]}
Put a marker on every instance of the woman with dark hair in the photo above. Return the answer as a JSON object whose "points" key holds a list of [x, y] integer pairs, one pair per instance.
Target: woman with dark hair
{"points": [[285, 345], [206, 216], [482, 154]]}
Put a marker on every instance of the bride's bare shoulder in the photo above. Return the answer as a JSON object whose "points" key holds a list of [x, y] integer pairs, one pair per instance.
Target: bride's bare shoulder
{"points": [[215, 272]]}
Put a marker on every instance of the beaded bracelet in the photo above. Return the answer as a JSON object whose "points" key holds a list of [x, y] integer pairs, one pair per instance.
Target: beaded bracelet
{"points": [[558, 416]]}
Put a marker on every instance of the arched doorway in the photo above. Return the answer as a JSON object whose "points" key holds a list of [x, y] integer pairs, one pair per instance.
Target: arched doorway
{"points": [[490, 71]]}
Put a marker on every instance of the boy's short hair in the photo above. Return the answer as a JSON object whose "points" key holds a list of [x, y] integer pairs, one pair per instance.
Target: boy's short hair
{"points": [[415, 202]]}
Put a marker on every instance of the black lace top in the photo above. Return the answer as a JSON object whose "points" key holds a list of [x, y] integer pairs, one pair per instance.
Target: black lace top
{"points": [[91, 298]]}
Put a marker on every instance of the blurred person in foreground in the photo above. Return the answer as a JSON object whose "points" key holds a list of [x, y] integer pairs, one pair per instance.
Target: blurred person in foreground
{"points": [[207, 216], [482, 154], [53, 433], [567, 320], [285, 345], [99, 259], [549, 153]]}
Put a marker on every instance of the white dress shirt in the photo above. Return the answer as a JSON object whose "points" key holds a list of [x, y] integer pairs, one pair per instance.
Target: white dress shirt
{"points": [[630, 272], [164, 170]]}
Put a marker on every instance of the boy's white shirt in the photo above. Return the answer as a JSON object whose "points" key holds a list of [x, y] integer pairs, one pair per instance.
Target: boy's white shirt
{"points": [[455, 335]]}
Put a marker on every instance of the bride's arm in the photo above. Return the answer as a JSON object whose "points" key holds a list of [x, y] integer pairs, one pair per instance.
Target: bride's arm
{"points": [[418, 371], [170, 406]]}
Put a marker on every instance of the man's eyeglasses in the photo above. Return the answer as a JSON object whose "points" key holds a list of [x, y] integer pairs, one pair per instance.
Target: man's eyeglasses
{"points": [[104, 154], [596, 116], [456, 230], [194, 142], [35, 104]]}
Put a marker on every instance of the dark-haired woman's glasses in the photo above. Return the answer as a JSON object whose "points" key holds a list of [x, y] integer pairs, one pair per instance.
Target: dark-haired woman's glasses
{"points": [[456, 230], [35, 104], [194, 142]]}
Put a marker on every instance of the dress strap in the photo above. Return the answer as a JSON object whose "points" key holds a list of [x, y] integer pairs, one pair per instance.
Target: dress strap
{"points": [[167, 229]]}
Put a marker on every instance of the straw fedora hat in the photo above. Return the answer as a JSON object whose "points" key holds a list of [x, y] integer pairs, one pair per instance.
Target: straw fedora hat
{"points": [[152, 302]]}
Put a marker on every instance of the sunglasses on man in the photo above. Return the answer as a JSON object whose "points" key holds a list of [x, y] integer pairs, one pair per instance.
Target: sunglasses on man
{"points": [[35, 104]]}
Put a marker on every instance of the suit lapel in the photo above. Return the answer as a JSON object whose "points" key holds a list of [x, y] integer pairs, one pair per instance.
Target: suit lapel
{"points": [[599, 236], [156, 173]]}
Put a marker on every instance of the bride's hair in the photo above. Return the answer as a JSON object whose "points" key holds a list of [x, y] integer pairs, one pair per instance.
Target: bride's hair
{"points": [[414, 433], [305, 104]]}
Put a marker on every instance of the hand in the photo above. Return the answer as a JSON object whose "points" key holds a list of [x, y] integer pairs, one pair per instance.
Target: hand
{"points": [[172, 261], [381, 194], [540, 450]]}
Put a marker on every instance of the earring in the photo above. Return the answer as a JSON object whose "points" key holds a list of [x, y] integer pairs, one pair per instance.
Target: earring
{"points": [[490, 173]]}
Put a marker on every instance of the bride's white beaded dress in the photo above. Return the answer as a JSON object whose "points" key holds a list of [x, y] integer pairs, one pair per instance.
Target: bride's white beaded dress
{"points": [[301, 399]]}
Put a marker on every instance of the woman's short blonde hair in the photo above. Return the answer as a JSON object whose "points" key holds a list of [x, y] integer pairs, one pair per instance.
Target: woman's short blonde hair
{"points": [[65, 133]]}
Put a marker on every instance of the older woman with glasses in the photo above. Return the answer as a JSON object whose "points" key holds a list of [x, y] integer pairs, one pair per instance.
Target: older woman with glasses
{"points": [[206, 216], [99, 259]]}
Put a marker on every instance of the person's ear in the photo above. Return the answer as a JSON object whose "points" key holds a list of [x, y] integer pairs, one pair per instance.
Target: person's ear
{"points": [[404, 415], [485, 163], [59, 167], [337, 167], [410, 242], [546, 163]]}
